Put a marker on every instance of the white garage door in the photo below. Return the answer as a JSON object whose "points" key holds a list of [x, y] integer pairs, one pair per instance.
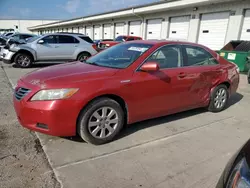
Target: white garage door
{"points": [[245, 34], [213, 29], [88, 31], [80, 30], [97, 32], [179, 27], [135, 28], [119, 29], [75, 30], [154, 29], [107, 31]]}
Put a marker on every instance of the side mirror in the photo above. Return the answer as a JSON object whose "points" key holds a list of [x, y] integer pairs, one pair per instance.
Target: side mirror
{"points": [[150, 67], [40, 42]]}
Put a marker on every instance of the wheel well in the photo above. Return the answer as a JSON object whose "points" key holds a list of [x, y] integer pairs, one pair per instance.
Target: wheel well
{"points": [[115, 98], [22, 51], [226, 84], [82, 53]]}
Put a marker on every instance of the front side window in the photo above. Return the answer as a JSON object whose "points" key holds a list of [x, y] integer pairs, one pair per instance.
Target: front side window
{"points": [[51, 39], [119, 56], [197, 56], [167, 57], [64, 39]]}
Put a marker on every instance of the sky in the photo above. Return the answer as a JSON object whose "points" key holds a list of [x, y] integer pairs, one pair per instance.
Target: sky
{"points": [[61, 9]]}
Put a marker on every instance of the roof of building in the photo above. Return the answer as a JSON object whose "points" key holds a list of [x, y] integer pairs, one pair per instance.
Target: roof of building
{"points": [[135, 10]]}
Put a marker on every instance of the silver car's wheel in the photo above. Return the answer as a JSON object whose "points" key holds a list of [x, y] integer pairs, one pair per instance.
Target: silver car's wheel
{"points": [[103, 122], [100, 121], [23, 60], [220, 98], [83, 56]]}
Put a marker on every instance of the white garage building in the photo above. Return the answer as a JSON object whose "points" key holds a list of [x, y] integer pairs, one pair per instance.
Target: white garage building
{"points": [[209, 22]]}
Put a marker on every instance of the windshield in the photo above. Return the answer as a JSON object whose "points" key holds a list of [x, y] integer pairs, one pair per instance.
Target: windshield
{"points": [[31, 39], [119, 56], [121, 39]]}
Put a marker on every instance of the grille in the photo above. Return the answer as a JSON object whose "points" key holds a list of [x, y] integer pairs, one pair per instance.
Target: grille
{"points": [[21, 93]]}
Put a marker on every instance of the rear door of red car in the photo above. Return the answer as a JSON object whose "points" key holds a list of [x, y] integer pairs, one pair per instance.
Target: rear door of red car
{"points": [[202, 70], [160, 92]]}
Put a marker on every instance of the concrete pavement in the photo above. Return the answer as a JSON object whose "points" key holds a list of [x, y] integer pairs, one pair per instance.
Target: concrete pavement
{"points": [[188, 149]]}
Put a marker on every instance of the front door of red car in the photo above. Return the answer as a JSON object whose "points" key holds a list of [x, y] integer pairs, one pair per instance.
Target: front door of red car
{"points": [[203, 71], [163, 91]]}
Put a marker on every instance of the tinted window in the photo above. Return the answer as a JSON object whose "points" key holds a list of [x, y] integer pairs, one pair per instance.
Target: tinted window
{"points": [[197, 56], [51, 39], [2, 41], [87, 39], [167, 57], [25, 36], [8, 34], [121, 39], [119, 56], [65, 39], [129, 39]]}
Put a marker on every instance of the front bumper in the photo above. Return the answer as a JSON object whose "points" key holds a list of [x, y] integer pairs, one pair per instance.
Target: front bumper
{"points": [[7, 57], [58, 117]]}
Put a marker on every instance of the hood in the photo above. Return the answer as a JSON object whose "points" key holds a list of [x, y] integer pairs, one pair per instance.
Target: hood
{"points": [[67, 73]]}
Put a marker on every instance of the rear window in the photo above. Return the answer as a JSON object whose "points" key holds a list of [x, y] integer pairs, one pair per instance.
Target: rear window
{"points": [[87, 39]]}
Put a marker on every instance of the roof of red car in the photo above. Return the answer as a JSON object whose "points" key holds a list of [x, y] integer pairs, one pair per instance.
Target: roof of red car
{"points": [[167, 41]]}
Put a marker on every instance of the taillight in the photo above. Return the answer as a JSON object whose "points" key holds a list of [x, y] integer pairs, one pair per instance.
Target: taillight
{"points": [[94, 46]]}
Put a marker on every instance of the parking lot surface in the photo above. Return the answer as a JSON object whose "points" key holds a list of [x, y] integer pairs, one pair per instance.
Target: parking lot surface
{"points": [[188, 149]]}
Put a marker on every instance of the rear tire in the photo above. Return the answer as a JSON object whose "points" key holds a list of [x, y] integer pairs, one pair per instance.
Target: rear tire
{"points": [[23, 60], [101, 121], [219, 98], [83, 56]]}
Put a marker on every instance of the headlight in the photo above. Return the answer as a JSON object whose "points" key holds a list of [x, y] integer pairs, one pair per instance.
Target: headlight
{"points": [[240, 177], [237, 67], [53, 94]]}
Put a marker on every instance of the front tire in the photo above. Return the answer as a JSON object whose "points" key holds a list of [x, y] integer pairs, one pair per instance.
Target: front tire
{"points": [[219, 98], [101, 121], [23, 60]]}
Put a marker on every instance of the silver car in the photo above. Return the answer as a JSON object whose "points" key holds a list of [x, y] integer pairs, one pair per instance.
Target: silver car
{"points": [[51, 47]]}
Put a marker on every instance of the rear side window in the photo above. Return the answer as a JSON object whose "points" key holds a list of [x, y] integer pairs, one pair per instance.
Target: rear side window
{"points": [[8, 34], [65, 39], [197, 56], [51, 39], [129, 39], [87, 39]]}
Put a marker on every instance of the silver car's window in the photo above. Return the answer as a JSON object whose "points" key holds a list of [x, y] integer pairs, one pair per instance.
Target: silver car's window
{"points": [[51, 39], [66, 39]]}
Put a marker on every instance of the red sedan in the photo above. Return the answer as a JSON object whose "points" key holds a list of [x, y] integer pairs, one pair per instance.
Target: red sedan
{"points": [[127, 83]]}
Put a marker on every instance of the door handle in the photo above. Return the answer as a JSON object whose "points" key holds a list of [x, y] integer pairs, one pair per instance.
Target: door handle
{"points": [[76, 45], [56, 46], [182, 75]]}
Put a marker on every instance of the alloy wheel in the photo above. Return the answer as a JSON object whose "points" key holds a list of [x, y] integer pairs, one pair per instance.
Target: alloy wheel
{"points": [[83, 58], [220, 98], [24, 61], [103, 122]]}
